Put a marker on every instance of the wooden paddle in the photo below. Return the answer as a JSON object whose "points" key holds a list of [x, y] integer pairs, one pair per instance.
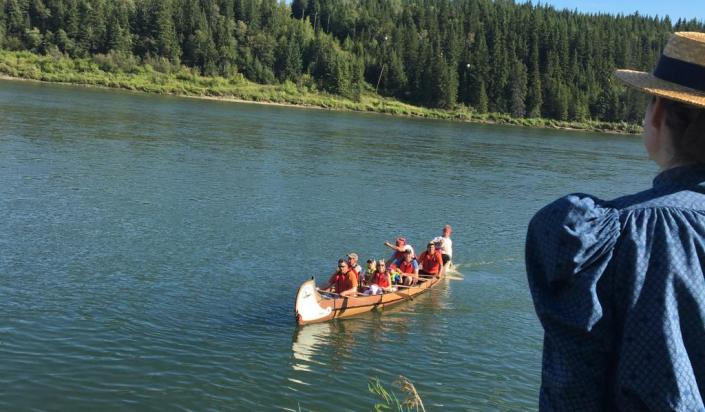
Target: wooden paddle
{"points": [[337, 294], [325, 292]]}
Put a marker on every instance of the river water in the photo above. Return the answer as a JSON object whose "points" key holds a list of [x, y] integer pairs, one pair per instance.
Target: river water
{"points": [[151, 248]]}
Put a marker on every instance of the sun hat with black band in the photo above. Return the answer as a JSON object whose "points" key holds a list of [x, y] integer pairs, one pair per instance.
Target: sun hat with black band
{"points": [[679, 74]]}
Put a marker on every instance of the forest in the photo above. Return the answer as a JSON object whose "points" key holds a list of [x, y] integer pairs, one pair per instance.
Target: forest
{"points": [[499, 56]]}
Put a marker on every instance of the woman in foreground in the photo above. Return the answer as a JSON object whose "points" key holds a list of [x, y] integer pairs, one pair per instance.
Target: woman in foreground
{"points": [[618, 285]]}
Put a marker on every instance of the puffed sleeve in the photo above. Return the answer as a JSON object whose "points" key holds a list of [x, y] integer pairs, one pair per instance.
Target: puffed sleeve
{"points": [[569, 246]]}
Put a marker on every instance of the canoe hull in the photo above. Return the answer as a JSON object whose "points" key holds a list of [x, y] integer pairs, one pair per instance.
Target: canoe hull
{"points": [[313, 307]]}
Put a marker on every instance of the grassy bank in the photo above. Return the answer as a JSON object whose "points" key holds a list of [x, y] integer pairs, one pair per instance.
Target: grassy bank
{"points": [[159, 76]]}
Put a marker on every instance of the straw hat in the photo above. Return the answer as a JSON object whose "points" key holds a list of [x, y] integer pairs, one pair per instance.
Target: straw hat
{"points": [[680, 73]]}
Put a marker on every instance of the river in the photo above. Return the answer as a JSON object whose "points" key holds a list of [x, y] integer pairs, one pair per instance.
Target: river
{"points": [[151, 248]]}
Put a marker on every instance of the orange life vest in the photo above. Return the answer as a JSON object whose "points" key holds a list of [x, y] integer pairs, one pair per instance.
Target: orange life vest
{"points": [[346, 281], [431, 263]]}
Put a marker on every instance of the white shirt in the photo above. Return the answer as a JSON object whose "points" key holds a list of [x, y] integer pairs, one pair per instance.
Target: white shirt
{"points": [[446, 245], [406, 247]]}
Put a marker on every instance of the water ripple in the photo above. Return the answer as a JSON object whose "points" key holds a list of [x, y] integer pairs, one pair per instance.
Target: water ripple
{"points": [[150, 250]]}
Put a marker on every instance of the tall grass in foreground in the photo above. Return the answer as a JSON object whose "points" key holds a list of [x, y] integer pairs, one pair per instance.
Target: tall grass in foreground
{"points": [[159, 76], [390, 402]]}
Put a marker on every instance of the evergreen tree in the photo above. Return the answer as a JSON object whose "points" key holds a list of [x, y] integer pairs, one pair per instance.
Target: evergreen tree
{"points": [[164, 31], [17, 18], [298, 9], [94, 16], [2, 24], [39, 15], [263, 48], [313, 9], [518, 85], [482, 99], [480, 72], [226, 46], [206, 51], [499, 79], [117, 31], [289, 63], [520, 59], [443, 89]]}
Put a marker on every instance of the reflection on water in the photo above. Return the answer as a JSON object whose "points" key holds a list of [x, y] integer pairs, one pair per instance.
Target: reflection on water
{"points": [[407, 339], [306, 341], [342, 339]]}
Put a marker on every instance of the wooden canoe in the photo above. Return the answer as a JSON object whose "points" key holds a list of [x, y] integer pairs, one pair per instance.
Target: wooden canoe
{"points": [[313, 306]]}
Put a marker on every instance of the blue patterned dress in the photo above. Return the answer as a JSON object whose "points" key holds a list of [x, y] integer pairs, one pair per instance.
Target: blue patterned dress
{"points": [[619, 289]]}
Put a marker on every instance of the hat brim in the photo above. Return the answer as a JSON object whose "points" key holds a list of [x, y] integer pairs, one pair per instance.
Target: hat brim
{"points": [[648, 83]]}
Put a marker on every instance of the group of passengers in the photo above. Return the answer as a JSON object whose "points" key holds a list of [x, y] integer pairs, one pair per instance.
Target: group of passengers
{"points": [[403, 268]]}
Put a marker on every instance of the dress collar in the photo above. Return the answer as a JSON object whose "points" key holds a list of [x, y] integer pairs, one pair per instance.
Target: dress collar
{"points": [[681, 176]]}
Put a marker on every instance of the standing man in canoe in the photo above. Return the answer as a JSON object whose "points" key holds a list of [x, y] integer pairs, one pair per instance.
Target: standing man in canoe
{"points": [[431, 261], [445, 244], [344, 280]]}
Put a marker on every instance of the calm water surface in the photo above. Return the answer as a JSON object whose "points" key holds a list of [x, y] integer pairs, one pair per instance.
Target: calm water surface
{"points": [[151, 247]]}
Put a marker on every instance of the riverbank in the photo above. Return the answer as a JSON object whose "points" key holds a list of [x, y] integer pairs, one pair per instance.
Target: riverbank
{"points": [[160, 78]]}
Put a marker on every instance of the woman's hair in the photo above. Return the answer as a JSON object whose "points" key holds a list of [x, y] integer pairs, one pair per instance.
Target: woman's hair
{"points": [[687, 125]]}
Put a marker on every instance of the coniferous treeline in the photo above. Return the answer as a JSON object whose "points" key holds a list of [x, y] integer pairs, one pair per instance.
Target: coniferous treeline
{"points": [[495, 56]]}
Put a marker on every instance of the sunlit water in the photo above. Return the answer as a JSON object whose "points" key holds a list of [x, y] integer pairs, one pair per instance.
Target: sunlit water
{"points": [[151, 247]]}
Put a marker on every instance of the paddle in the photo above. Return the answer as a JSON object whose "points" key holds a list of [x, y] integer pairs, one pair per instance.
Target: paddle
{"points": [[326, 292], [323, 292]]}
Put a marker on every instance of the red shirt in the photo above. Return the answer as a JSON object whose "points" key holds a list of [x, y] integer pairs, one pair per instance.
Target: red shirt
{"points": [[431, 263], [407, 267], [381, 279]]}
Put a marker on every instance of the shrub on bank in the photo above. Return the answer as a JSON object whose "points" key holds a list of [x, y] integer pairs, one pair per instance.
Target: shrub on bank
{"points": [[160, 76]]}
